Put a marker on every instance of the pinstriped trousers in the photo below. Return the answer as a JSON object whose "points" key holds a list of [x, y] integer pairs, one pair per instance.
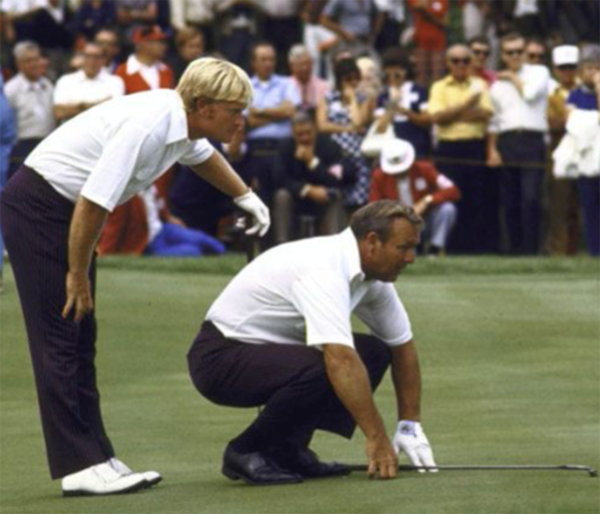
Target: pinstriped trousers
{"points": [[35, 224]]}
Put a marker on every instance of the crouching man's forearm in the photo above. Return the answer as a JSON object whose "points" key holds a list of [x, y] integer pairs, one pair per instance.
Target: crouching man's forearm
{"points": [[350, 382]]}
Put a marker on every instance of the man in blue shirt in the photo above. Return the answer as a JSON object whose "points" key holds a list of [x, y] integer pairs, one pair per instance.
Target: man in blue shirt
{"points": [[8, 136], [268, 118]]}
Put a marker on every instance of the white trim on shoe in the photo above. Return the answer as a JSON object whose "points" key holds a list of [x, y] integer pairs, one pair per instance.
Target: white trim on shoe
{"points": [[151, 477], [101, 479]]}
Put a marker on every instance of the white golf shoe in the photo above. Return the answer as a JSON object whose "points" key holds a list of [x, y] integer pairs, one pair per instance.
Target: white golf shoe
{"points": [[151, 477], [101, 479]]}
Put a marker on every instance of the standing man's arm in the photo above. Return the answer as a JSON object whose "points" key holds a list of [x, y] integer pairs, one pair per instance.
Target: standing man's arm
{"points": [[86, 226], [350, 381], [217, 171]]}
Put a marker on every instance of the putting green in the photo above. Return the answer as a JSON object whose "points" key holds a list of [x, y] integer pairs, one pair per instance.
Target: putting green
{"points": [[510, 356]]}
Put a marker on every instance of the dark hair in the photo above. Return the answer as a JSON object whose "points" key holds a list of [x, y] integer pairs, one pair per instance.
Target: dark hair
{"points": [[302, 116], [482, 40], [259, 44], [379, 217], [511, 36], [395, 56], [344, 68], [536, 41]]}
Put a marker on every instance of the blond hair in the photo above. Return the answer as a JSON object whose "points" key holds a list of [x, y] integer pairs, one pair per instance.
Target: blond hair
{"points": [[214, 80]]}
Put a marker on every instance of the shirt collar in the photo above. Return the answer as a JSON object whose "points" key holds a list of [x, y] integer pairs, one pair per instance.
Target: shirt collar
{"points": [[134, 65], [451, 80], [178, 129], [256, 82], [351, 254], [38, 85]]}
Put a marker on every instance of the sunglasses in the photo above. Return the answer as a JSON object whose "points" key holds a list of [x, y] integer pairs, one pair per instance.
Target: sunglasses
{"points": [[513, 52], [567, 67], [457, 60], [535, 56], [481, 52], [393, 75]]}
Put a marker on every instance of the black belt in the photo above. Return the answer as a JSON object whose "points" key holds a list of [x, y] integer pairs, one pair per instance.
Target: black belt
{"points": [[522, 132]]}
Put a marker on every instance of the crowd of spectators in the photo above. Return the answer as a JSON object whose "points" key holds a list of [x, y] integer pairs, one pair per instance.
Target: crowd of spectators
{"points": [[452, 106]]}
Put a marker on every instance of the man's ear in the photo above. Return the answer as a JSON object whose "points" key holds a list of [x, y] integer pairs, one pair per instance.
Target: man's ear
{"points": [[204, 108], [373, 241]]}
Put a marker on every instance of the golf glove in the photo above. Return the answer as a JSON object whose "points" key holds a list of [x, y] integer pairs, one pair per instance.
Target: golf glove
{"points": [[411, 439], [253, 205]]}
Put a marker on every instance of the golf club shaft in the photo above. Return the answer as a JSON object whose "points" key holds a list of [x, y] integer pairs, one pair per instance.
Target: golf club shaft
{"points": [[252, 243], [469, 467]]}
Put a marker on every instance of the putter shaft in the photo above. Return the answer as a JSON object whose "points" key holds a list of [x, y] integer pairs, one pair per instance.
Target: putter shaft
{"points": [[534, 467]]}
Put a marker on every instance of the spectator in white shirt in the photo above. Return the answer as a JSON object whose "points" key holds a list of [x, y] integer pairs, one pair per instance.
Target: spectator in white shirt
{"points": [[516, 142], [19, 18], [30, 95], [91, 85], [280, 336]]}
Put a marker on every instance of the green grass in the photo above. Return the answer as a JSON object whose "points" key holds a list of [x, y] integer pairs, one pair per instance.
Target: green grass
{"points": [[510, 356]]}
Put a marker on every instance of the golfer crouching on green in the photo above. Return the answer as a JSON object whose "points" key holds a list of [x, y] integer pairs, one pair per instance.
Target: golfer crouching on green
{"points": [[280, 336]]}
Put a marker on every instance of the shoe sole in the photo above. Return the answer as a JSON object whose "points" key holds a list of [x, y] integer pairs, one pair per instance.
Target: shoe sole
{"points": [[152, 483], [234, 475], [136, 487]]}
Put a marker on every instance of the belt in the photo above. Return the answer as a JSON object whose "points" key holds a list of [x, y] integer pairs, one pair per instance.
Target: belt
{"points": [[522, 132]]}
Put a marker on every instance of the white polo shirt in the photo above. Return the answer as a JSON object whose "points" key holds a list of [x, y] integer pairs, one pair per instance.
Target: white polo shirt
{"points": [[21, 6], [76, 88], [515, 112], [32, 102], [113, 151], [304, 293]]}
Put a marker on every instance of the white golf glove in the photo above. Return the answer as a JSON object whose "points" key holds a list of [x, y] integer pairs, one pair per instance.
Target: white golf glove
{"points": [[411, 439], [253, 205]]}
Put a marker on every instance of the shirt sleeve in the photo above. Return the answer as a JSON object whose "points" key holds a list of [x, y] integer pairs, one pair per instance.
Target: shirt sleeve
{"points": [[382, 311], [199, 151], [60, 93], [485, 102], [292, 94], [117, 86], [494, 123], [117, 165], [436, 101], [325, 304], [535, 83]]}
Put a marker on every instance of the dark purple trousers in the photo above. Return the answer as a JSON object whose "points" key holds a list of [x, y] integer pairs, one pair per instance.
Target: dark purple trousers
{"points": [[289, 381], [35, 224]]}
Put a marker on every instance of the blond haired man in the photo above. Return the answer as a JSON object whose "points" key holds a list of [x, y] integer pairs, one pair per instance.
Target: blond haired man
{"points": [[52, 214]]}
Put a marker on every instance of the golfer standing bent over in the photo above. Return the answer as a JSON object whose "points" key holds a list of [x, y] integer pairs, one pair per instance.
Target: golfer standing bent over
{"points": [[53, 211]]}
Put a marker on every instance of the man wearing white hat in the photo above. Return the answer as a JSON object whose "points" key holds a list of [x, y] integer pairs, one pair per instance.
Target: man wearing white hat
{"points": [[563, 207], [420, 185]]}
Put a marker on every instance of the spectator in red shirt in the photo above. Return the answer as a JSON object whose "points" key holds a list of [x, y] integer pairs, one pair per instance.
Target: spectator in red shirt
{"points": [[430, 23], [144, 69], [417, 184]]}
